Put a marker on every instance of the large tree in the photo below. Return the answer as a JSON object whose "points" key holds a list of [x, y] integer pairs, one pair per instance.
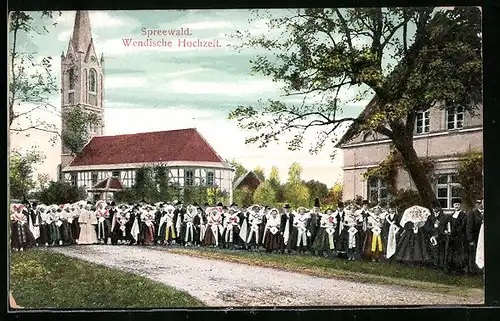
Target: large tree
{"points": [[21, 168], [295, 191], [76, 131], [239, 169], [406, 59], [31, 82]]}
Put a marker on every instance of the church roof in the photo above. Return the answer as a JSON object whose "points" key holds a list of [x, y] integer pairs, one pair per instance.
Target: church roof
{"points": [[108, 184], [184, 145], [82, 33]]}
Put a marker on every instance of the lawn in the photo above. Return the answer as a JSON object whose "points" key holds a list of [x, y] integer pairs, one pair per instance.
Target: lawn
{"points": [[361, 271], [42, 279]]}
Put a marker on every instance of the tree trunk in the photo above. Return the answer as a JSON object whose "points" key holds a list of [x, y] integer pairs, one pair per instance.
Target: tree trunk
{"points": [[416, 170]]}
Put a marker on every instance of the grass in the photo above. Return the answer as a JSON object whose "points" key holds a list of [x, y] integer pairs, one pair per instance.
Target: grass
{"points": [[42, 279], [360, 271]]}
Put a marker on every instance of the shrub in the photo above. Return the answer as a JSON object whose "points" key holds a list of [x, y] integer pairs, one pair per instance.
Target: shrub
{"points": [[61, 193]]}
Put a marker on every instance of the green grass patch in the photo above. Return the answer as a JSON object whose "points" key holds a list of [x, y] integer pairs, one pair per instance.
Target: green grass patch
{"points": [[43, 279], [424, 278]]}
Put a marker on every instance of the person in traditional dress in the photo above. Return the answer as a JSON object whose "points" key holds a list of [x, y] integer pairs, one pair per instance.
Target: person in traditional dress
{"points": [[21, 236], [301, 234], [480, 241], [87, 221], [341, 232], [65, 229], [273, 239], [413, 247], [189, 229], [374, 247], [158, 214], [456, 251], [41, 212], [434, 228], [130, 215], [214, 227], [33, 223], [179, 213], [147, 227], [473, 222], [231, 235], [390, 229], [135, 230], [167, 231], [75, 226], [353, 237], [103, 222], [256, 227], [324, 243], [202, 227], [56, 230], [286, 228], [364, 231], [314, 223]]}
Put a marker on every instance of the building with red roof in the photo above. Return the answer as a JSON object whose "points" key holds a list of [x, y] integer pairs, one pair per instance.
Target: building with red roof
{"points": [[112, 161]]}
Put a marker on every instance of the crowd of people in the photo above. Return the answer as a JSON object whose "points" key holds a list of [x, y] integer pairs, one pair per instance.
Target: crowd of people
{"points": [[422, 236]]}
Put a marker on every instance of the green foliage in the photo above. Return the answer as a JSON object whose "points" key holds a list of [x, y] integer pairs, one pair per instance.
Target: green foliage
{"points": [[316, 190], [295, 192], [259, 172], [76, 131], [243, 197], [216, 195], [333, 196], [470, 177], [31, 82], [42, 279], [239, 170], [405, 198], [61, 192], [145, 185], [21, 168], [265, 194]]}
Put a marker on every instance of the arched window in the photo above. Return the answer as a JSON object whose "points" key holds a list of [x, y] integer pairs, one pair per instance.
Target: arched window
{"points": [[71, 78], [102, 90], [85, 93], [92, 81]]}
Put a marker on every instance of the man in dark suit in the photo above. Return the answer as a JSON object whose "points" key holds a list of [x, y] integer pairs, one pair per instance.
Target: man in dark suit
{"points": [[286, 227], [473, 222]]}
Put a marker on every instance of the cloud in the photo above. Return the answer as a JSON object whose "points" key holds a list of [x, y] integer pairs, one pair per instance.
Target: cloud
{"points": [[125, 82], [98, 20], [220, 88]]}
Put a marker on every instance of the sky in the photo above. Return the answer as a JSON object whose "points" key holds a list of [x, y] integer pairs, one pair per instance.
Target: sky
{"points": [[153, 89]]}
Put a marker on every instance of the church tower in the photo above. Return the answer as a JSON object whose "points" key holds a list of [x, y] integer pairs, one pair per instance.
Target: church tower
{"points": [[82, 77]]}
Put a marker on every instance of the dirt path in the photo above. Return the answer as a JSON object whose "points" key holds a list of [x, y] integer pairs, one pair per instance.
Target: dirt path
{"points": [[219, 283]]}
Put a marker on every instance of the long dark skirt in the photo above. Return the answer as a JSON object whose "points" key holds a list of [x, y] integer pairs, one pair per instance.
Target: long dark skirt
{"points": [[273, 242], [167, 234], [75, 229], [21, 236], [192, 237], [66, 232], [412, 248], [456, 255], [322, 241], [54, 234], [211, 239], [44, 234]]}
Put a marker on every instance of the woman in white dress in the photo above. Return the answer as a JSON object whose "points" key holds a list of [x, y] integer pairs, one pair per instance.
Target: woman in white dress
{"points": [[87, 221]]}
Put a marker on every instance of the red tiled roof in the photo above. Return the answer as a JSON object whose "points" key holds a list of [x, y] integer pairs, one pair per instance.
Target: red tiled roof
{"points": [[109, 183], [172, 145]]}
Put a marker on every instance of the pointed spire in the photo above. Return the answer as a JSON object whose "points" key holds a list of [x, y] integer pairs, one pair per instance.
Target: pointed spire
{"points": [[82, 34]]}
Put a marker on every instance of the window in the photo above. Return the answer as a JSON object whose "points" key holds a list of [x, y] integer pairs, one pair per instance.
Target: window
{"points": [[95, 178], [422, 122], [447, 190], [116, 174], [455, 118], [377, 190], [86, 92], [71, 78], [71, 98], [210, 178], [74, 179], [189, 177], [92, 81]]}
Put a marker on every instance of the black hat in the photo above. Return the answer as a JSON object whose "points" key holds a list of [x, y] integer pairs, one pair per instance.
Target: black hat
{"points": [[206, 204], [365, 202], [286, 205], [178, 203], [219, 204], [195, 204], [224, 207], [457, 201], [34, 204], [89, 202], [234, 205], [340, 204], [113, 203], [316, 202]]}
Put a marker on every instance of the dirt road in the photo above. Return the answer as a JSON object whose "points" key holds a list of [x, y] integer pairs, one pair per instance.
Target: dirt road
{"points": [[224, 284]]}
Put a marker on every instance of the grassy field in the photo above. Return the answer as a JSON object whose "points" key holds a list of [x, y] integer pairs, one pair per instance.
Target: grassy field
{"points": [[361, 271], [41, 279]]}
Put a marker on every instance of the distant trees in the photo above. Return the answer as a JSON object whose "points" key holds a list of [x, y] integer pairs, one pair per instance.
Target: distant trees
{"points": [[21, 168], [61, 193]]}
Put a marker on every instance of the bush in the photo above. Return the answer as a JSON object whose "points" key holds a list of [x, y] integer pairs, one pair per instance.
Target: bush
{"points": [[405, 198], [61, 193]]}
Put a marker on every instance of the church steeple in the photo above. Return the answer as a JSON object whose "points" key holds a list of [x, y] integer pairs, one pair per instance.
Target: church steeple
{"points": [[82, 33], [82, 77]]}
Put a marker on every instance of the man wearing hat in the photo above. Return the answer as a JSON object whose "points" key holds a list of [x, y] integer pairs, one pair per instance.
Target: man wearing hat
{"points": [[341, 231], [314, 222], [363, 230], [178, 218], [473, 222], [286, 228], [456, 253]]}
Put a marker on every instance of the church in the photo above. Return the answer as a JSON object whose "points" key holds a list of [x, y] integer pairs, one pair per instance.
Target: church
{"points": [[109, 163]]}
